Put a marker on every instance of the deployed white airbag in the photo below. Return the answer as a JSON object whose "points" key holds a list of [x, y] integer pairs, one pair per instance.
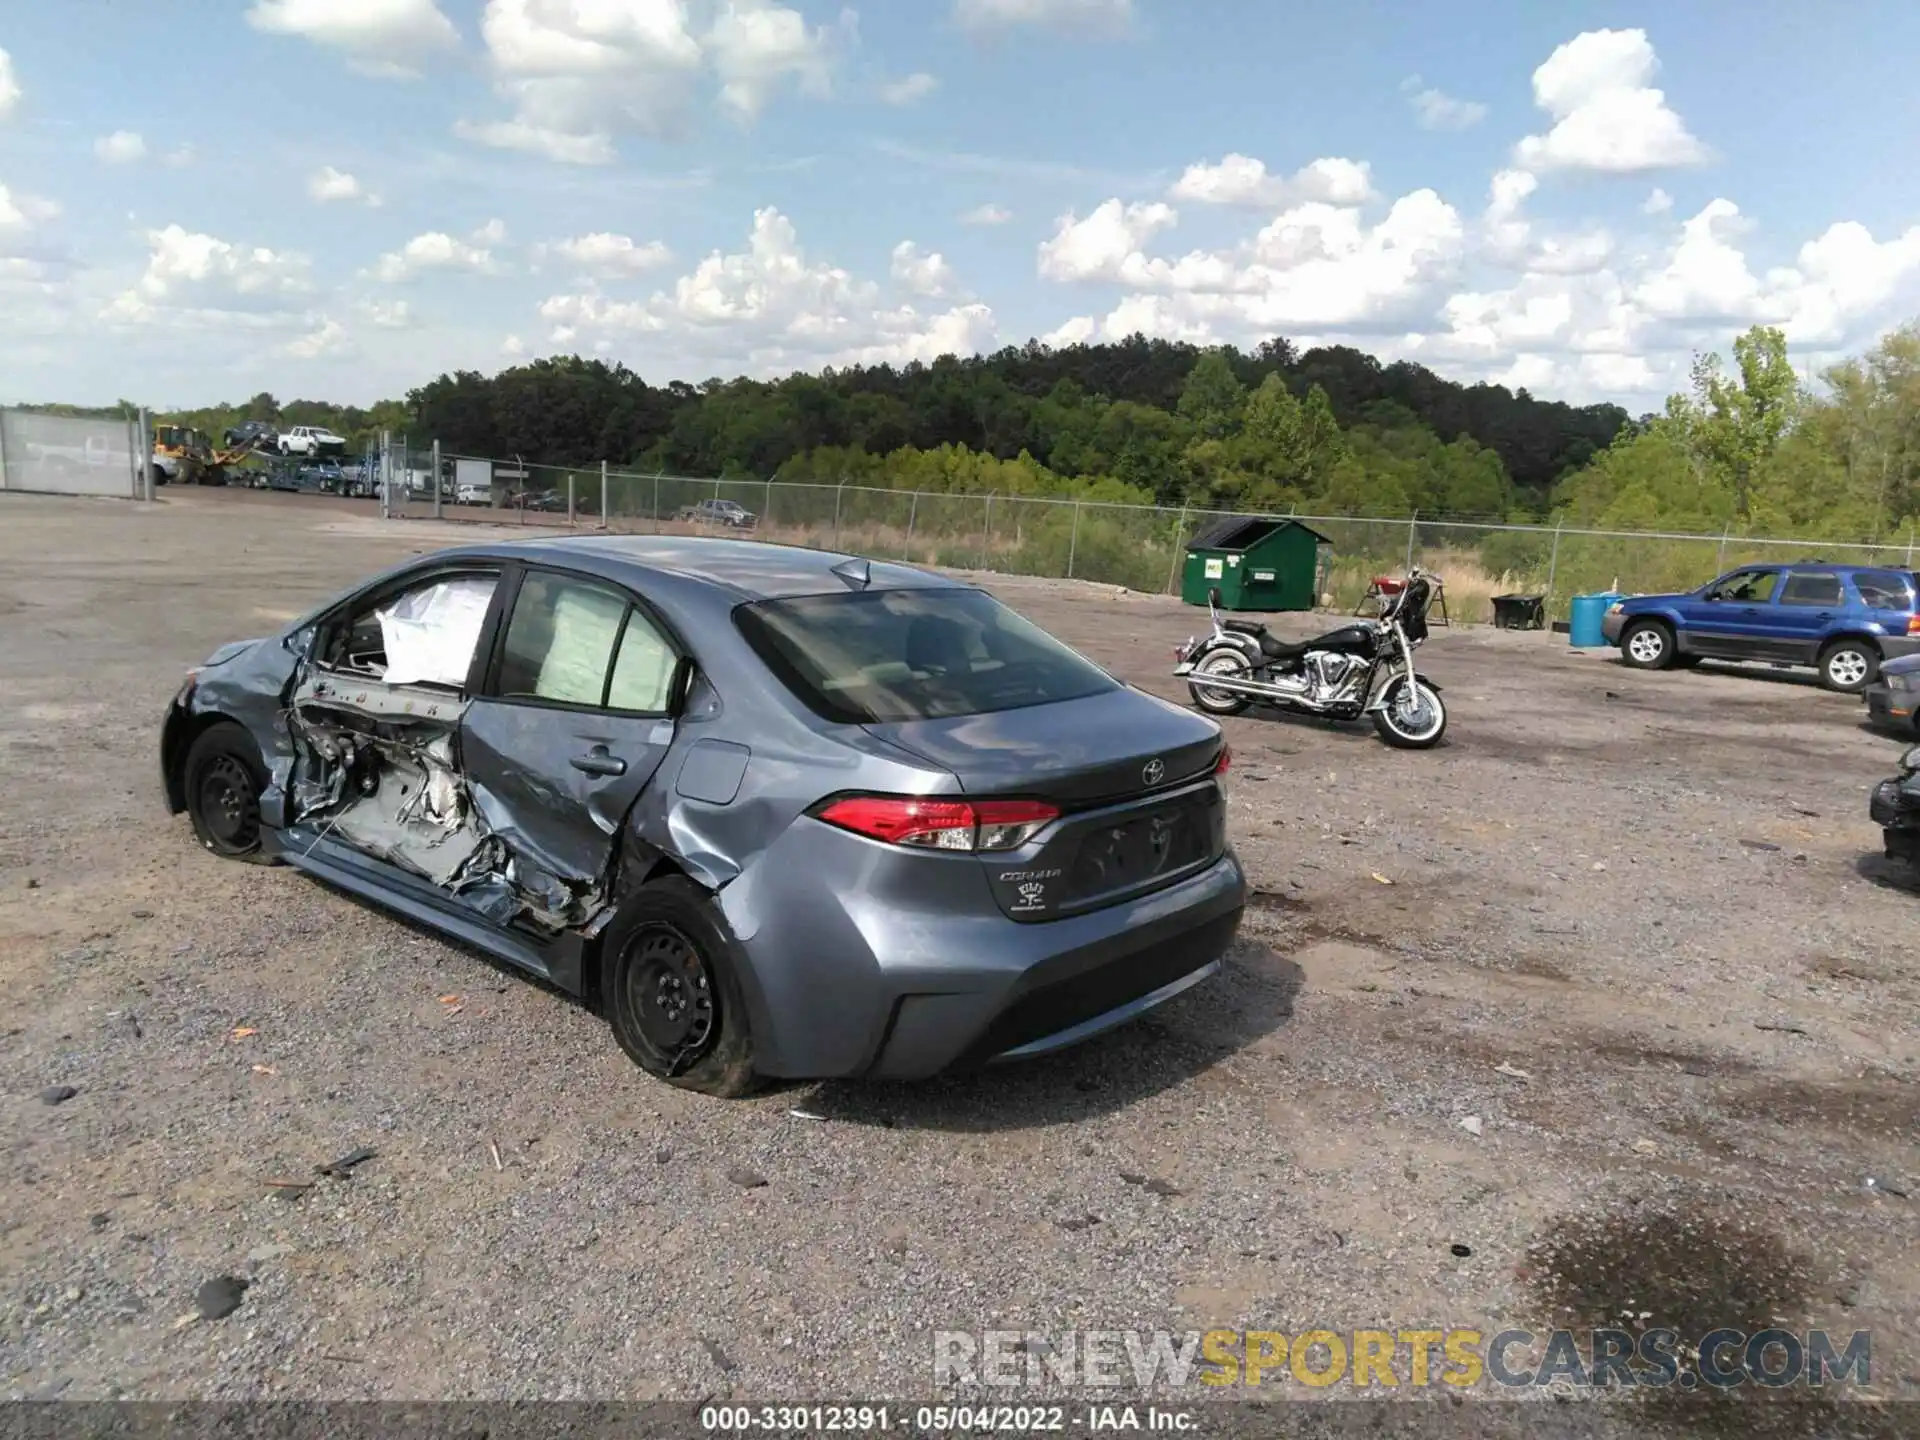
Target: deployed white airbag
{"points": [[430, 634]]}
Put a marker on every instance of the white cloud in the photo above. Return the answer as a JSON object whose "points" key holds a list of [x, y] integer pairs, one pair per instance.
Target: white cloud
{"points": [[1658, 202], [20, 213], [512, 347], [1607, 115], [191, 275], [494, 232], [1841, 280], [1627, 327], [1107, 245], [1314, 267], [1508, 236], [435, 250], [179, 157], [1436, 110], [384, 38], [577, 77], [123, 147], [775, 308], [909, 89], [607, 254], [921, 273], [988, 214], [1074, 17], [9, 86], [755, 45], [388, 314], [1242, 181], [328, 338], [329, 186]]}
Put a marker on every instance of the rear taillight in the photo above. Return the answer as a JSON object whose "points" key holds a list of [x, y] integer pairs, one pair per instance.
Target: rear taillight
{"points": [[1225, 762], [1913, 624], [969, 826]]}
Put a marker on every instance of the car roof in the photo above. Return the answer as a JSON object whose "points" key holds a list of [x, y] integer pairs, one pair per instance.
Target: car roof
{"points": [[1829, 566], [730, 570]]}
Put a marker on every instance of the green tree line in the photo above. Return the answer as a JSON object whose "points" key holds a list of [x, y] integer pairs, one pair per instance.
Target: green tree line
{"points": [[1146, 421], [1748, 448]]}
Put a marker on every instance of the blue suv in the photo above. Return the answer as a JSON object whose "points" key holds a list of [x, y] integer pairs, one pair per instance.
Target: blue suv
{"points": [[1842, 620]]}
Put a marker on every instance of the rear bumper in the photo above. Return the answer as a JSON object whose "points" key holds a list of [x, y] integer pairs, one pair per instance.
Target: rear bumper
{"points": [[1115, 968], [861, 978], [1892, 647], [1610, 627]]}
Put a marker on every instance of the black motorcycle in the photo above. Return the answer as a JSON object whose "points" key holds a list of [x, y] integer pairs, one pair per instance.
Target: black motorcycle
{"points": [[1360, 669]]}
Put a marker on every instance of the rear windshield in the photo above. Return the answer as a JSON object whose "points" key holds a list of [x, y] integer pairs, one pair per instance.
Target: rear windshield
{"points": [[875, 656]]}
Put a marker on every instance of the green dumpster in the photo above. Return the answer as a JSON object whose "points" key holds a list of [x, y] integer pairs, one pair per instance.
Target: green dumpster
{"points": [[1255, 564]]}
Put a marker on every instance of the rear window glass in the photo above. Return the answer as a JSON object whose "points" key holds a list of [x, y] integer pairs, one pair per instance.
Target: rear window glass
{"points": [[876, 656], [1883, 590]]}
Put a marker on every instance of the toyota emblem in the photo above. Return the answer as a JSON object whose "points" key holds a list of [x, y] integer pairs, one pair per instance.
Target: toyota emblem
{"points": [[1155, 772]]}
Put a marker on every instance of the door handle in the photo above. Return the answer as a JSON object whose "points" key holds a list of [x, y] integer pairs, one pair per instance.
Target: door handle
{"points": [[598, 762]]}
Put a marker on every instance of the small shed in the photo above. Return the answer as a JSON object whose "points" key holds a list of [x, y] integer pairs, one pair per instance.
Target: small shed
{"points": [[1255, 564]]}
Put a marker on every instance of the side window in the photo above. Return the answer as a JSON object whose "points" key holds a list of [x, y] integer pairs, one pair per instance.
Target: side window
{"points": [[1882, 590], [579, 643], [1748, 587], [643, 671], [422, 636], [1811, 587]]}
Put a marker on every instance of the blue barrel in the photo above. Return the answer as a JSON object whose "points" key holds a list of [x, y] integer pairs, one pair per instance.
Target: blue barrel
{"points": [[1585, 617]]}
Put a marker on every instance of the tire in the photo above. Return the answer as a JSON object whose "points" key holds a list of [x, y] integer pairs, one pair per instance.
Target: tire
{"points": [[670, 990], [1849, 666], [1647, 645], [222, 778], [1400, 729], [158, 475], [1222, 660]]}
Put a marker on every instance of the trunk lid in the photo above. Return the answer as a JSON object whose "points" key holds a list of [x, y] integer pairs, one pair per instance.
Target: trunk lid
{"points": [[1132, 774]]}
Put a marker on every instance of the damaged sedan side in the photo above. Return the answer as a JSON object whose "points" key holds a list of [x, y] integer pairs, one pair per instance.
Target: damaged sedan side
{"points": [[775, 812], [376, 749]]}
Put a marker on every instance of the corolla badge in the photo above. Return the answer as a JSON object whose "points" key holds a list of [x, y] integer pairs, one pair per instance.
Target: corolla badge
{"points": [[1155, 772]]}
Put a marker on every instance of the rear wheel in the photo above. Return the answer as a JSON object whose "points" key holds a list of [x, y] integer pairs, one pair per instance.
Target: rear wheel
{"points": [[1849, 666], [671, 993], [1647, 645], [1228, 663], [1414, 716], [223, 782]]}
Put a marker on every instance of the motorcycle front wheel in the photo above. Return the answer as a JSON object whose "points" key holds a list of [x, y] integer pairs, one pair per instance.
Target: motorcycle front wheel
{"points": [[1227, 663], [1413, 717]]}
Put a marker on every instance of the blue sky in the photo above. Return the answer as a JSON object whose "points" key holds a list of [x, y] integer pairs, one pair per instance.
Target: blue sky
{"points": [[341, 198]]}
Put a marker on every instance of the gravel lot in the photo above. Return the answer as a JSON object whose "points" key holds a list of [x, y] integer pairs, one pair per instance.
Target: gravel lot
{"points": [[1657, 896]]}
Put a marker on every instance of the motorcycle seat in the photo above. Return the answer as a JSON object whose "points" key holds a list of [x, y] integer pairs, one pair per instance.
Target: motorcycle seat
{"points": [[1349, 639], [1270, 647]]}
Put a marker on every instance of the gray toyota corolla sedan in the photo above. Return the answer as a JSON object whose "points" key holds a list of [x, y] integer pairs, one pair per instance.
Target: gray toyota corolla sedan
{"points": [[774, 812]]}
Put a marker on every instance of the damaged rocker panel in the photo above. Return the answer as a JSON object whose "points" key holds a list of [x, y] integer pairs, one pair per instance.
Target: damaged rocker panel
{"points": [[378, 767]]}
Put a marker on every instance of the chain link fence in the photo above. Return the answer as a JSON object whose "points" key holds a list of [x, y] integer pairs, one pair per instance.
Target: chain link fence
{"points": [[72, 455], [1140, 547]]}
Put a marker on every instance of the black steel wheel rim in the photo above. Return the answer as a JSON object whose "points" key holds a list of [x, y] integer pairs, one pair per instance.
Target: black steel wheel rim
{"points": [[229, 803], [670, 994]]}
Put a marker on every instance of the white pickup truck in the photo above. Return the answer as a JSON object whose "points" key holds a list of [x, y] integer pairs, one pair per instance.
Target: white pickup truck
{"points": [[94, 454], [311, 440]]}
